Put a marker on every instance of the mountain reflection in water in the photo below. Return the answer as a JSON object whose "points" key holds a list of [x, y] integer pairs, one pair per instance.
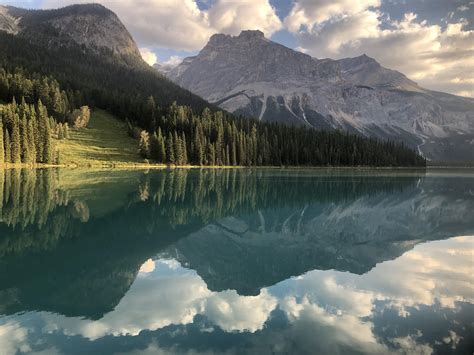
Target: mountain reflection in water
{"points": [[238, 261]]}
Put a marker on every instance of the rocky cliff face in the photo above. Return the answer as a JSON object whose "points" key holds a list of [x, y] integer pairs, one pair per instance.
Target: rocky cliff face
{"points": [[92, 26], [251, 75]]}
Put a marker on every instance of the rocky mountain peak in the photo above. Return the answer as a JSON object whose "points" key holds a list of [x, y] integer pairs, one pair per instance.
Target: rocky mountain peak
{"points": [[251, 35], [253, 76], [90, 25], [244, 38], [217, 39]]}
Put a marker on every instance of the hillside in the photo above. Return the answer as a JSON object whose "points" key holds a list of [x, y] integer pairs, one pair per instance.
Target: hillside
{"points": [[87, 48], [103, 143], [92, 26]]}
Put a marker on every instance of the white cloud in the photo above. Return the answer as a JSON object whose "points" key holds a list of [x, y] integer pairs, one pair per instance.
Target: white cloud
{"points": [[232, 312], [231, 17], [168, 294], [426, 53], [180, 24], [13, 338], [172, 62], [310, 13], [148, 56]]}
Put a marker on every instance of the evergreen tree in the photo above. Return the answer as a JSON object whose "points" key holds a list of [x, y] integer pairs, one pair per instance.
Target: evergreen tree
{"points": [[161, 151], [184, 149], [24, 138], [15, 141], [144, 144], [8, 154], [198, 145], [2, 150], [178, 149], [170, 149], [154, 146], [31, 141]]}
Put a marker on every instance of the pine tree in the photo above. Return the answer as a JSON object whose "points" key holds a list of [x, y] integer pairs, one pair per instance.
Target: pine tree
{"points": [[15, 141], [25, 144], [227, 155], [31, 141], [161, 156], [144, 144], [154, 146], [48, 153], [198, 146], [184, 149], [170, 149], [8, 154], [234, 154], [178, 149], [2, 149]]}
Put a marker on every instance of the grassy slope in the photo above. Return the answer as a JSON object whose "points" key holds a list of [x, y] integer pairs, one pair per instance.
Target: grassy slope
{"points": [[104, 142]]}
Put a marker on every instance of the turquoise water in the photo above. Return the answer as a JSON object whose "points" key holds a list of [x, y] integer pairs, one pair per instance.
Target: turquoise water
{"points": [[236, 261]]}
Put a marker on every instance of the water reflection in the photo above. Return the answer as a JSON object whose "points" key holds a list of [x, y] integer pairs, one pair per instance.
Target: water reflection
{"points": [[236, 261]]}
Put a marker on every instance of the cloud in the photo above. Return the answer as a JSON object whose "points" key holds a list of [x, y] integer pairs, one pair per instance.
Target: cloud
{"points": [[310, 13], [13, 338], [181, 24], [164, 294], [148, 56], [232, 312], [172, 62], [231, 17], [427, 53]]}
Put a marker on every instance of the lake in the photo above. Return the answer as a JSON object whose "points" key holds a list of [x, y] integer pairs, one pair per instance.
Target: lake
{"points": [[236, 261]]}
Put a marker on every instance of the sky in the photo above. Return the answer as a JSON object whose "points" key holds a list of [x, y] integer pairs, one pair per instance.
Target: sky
{"points": [[430, 41]]}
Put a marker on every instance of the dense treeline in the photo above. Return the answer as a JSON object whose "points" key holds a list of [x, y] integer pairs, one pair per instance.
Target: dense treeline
{"points": [[176, 134], [33, 88], [103, 80], [212, 138], [26, 134]]}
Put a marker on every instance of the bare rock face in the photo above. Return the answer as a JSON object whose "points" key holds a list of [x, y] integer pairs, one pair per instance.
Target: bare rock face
{"points": [[92, 26], [8, 23], [253, 76]]}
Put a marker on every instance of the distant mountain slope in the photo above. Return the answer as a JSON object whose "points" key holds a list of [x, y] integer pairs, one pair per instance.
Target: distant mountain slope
{"points": [[251, 75], [92, 26], [90, 52]]}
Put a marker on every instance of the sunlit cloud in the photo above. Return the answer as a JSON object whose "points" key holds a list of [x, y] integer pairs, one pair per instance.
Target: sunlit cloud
{"points": [[427, 53], [148, 56]]}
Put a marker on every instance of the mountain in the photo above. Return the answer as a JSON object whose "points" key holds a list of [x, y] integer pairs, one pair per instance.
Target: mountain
{"points": [[92, 26], [88, 50], [253, 76]]}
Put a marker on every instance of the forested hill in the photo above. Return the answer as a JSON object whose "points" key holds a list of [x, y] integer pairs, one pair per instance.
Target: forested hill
{"points": [[87, 48], [173, 125]]}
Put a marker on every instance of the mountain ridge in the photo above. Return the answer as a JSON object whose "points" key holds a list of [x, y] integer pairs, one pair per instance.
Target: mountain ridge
{"points": [[252, 76], [91, 25]]}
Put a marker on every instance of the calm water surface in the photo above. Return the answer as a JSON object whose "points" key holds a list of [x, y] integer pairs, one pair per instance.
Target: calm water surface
{"points": [[236, 262]]}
